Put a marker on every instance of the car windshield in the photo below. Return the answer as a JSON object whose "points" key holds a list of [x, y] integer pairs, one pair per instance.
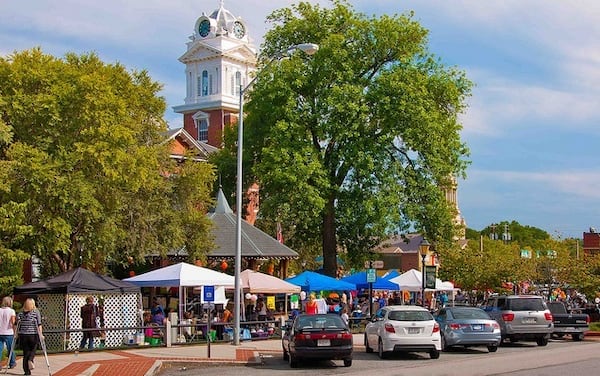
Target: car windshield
{"points": [[409, 316], [526, 304], [319, 322], [467, 314]]}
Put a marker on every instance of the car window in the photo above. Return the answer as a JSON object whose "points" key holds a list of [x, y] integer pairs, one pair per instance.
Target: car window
{"points": [[470, 314], [410, 316], [501, 303], [320, 322], [526, 304]]}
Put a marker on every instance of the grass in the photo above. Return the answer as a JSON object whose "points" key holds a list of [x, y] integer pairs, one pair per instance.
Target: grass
{"points": [[595, 326]]}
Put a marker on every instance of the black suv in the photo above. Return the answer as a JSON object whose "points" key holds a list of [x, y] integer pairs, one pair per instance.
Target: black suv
{"points": [[521, 317]]}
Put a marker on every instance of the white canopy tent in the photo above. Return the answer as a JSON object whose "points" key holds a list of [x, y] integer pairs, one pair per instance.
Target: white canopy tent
{"points": [[412, 281], [185, 275]]}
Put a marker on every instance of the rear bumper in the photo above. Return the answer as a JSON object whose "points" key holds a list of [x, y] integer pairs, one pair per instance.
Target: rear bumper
{"points": [[570, 329], [339, 352], [413, 344]]}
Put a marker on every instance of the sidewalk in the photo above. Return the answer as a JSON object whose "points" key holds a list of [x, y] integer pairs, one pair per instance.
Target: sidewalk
{"points": [[145, 361]]}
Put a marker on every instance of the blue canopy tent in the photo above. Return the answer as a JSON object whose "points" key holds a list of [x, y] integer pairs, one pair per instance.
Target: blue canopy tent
{"points": [[391, 274], [360, 280], [311, 281]]}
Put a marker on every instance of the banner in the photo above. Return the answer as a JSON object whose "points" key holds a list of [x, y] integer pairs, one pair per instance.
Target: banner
{"points": [[430, 276]]}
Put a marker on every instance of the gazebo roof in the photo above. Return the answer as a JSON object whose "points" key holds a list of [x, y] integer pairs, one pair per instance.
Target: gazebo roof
{"points": [[255, 243]]}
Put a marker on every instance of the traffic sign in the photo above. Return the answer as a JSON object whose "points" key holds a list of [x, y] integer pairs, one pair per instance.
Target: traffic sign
{"points": [[371, 276], [377, 264], [209, 293]]}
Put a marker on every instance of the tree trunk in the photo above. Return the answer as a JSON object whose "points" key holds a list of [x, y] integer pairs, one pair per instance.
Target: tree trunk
{"points": [[329, 240]]}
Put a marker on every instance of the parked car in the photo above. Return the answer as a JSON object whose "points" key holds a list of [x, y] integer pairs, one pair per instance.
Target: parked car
{"points": [[521, 317], [568, 322], [403, 328], [317, 337], [468, 326]]}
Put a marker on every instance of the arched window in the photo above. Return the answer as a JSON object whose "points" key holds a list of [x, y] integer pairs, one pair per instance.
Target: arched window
{"points": [[204, 82], [201, 122]]}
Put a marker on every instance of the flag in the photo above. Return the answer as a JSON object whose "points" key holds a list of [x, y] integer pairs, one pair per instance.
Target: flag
{"points": [[279, 233]]}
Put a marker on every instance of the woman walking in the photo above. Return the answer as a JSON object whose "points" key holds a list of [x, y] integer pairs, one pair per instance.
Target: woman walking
{"points": [[29, 333], [8, 319]]}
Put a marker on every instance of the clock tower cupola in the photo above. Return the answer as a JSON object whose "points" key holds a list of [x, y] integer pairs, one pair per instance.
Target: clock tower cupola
{"points": [[219, 54]]}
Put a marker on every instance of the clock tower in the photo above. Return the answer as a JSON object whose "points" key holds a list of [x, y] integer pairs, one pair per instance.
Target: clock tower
{"points": [[219, 58]]}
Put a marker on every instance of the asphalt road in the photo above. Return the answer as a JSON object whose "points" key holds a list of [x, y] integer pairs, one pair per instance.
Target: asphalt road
{"points": [[560, 357]]}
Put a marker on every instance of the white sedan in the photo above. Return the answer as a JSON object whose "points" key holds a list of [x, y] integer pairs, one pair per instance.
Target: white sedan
{"points": [[403, 328]]}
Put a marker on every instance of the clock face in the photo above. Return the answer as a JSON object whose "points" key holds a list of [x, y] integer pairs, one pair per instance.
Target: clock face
{"points": [[204, 28], [239, 30]]}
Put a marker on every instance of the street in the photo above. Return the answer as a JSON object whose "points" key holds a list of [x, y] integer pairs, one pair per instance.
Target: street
{"points": [[519, 359]]}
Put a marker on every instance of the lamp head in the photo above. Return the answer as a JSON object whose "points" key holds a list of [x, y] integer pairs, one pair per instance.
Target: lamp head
{"points": [[424, 247], [307, 48]]}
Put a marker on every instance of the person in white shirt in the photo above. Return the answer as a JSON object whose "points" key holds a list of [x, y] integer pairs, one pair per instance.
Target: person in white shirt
{"points": [[8, 318]]}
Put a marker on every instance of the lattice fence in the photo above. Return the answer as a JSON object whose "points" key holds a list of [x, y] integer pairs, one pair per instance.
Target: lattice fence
{"points": [[60, 312]]}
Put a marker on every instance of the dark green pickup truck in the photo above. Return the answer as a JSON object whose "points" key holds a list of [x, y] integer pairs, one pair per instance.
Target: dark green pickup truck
{"points": [[565, 322]]}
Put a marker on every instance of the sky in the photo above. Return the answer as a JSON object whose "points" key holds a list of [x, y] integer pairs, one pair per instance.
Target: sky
{"points": [[532, 125]]}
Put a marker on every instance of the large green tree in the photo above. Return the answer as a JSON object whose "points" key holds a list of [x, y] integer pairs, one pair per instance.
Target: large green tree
{"points": [[353, 142], [86, 170]]}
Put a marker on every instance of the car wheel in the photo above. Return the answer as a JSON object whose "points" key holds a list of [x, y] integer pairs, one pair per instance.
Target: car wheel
{"points": [[285, 355], [492, 348], [382, 354], [293, 361], [347, 362], [367, 347], [542, 341], [577, 336], [434, 354], [444, 345]]}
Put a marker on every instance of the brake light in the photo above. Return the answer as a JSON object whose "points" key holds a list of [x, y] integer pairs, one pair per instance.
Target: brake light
{"points": [[587, 319], [496, 326], [548, 316], [508, 316], [454, 326], [436, 327], [389, 328]]}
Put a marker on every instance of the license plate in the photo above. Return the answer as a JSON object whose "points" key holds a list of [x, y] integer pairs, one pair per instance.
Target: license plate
{"points": [[323, 342], [477, 327], [528, 321], [414, 330]]}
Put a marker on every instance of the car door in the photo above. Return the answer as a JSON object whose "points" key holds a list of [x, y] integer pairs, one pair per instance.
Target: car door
{"points": [[374, 327]]}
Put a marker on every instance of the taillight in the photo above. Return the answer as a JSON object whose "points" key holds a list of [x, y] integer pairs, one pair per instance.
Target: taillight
{"points": [[454, 326], [508, 316], [345, 335], [436, 327], [389, 328], [548, 316], [587, 319], [496, 326]]}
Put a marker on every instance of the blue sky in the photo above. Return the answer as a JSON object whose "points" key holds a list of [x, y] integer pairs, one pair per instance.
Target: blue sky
{"points": [[531, 125]]}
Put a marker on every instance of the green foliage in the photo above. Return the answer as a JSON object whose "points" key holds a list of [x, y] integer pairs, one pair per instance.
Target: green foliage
{"points": [[87, 175], [353, 142]]}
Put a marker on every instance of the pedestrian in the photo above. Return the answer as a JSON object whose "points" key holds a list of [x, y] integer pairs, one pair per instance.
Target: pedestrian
{"points": [[344, 315], [89, 313], [8, 319], [29, 333], [311, 305]]}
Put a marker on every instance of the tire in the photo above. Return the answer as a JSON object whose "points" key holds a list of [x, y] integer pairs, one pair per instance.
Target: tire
{"points": [[542, 341], [347, 362], [492, 348], [434, 354], [292, 361], [382, 354], [367, 347], [444, 345], [577, 336]]}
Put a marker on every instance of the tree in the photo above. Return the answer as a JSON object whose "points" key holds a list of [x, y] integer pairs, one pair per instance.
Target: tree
{"points": [[354, 142], [87, 172]]}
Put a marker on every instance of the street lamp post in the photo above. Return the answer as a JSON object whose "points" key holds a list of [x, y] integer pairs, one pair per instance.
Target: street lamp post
{"points": [[309, 49], [423, 250]]}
